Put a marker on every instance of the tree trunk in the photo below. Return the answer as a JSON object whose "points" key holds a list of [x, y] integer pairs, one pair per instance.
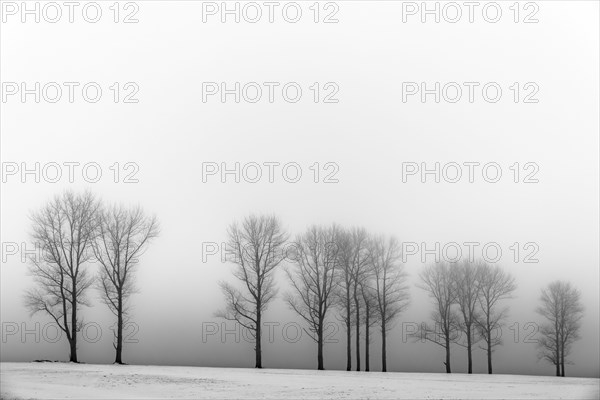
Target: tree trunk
{"points": [[257, 347], [489, 341], [562, 360], [348, 334], [73, 340], [557, 355], [367, 338], [320, 366], [489, 353], [73, 347], [119, 347], [383, 349], [469, 350], [357, 304], [447, 363]]}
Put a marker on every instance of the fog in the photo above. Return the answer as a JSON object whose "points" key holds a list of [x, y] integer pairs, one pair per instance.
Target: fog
{"points": [[368, 134]]}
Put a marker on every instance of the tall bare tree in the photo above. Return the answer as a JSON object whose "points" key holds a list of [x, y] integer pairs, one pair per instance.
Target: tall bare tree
{"points": [[571, 313], [64, 230], [353, 262], [370, 316], [495, 285], [562, 308], [258, 248], [312, 278], [467, 277], [123, 235], [360, 261], [390, 284], [343, 289], [439, 282]]}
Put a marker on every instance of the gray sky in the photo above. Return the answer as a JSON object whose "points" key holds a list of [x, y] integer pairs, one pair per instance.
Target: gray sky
{"points": [[369, 133]]}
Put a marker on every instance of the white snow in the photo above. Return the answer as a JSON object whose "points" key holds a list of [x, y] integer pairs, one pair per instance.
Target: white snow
{"points": [[82, 381]]}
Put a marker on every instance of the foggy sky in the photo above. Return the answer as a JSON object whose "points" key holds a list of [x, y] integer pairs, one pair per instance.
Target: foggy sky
{"points": [[368, 134]]}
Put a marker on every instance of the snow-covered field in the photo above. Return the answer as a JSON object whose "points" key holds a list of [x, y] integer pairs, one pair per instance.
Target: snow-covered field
{"points": [[81, 381]]}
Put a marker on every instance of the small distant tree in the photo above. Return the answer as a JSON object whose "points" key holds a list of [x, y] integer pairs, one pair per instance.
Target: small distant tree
{"points": [[561, 307], [439, 282], [389, 281], [571, 313], [123, 235], [258, 248], [312, 278], [64, 230], [495, 285]]}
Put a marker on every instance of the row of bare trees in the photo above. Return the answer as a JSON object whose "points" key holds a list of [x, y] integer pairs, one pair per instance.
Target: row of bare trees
{"points": [[73, 231], [358, 274], [361, 276], [329, 268], [466, 299]]}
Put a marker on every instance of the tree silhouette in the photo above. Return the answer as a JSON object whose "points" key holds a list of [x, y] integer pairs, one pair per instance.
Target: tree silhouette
{"points": [[122, 237], [312, 279], [494, 285], [258, 248], [467, 276], [439, 281], [342, 294], [561, 306], [389, 283], [64, 229]]}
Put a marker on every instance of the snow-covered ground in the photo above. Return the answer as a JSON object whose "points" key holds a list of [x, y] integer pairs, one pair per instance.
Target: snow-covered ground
{"points": [[81, 381]]}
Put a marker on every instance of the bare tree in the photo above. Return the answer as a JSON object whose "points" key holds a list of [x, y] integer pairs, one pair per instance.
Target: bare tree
{"points": [[494, 285], [64, 230], [315, 264], [561, 306], [371, 317], [353, 262], [343, 289], [389, 281], [438, 280], [258, 247], [549, 344], [571, 313], [123, 235], [360, 261], [467, 276]]}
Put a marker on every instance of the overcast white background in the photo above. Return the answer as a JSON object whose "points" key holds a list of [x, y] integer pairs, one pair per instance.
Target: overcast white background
{"points": [[369, 133]]}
